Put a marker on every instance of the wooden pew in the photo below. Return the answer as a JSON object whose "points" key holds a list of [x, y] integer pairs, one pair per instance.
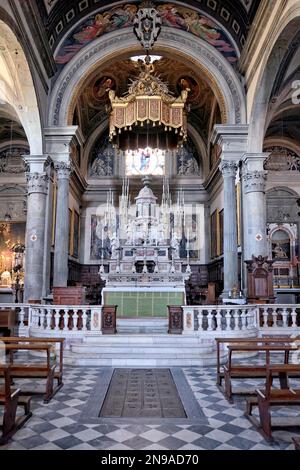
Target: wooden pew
{"points": [[58, 374], [10, 399], [253, 370], [297, 442], [245, 341], [32, 370], [8, 320], [275, 397]]}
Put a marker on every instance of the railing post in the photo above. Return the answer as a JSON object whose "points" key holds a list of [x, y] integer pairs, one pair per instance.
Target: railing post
{"points": [[265, 316], [236, 320], [75, 319], [209, 319], [219, 320], [188, 321], [244, 318], [48, 318], [96, 315], [294, 317], [21, 317], [84, 319], [228, 319], [56, 319], [285, 316], [66, 319]]}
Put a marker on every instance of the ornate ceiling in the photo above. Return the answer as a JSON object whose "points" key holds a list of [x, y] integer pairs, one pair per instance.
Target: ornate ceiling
{"points": [[93, 101], [71, 24]]}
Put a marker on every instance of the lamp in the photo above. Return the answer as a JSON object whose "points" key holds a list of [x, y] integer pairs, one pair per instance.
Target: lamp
{"points": [[148, 115]]}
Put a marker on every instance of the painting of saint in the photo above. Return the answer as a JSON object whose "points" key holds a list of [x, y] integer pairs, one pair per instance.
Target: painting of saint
{"points": [[102, 86], [145, 162]]}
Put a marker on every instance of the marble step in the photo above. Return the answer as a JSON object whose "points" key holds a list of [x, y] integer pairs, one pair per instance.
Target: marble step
{"points": [[142, 325], [144, 339], [110, 360], [161, 350]]}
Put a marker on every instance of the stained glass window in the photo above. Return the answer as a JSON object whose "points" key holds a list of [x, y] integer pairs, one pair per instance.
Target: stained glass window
{"points": [[146, 161]]}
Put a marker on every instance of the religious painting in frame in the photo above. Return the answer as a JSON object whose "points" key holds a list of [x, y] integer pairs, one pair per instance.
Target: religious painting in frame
{"points": [[214, 234], [70, 232], [221, 232], [76, 234], [54, 202], [238, 213]]}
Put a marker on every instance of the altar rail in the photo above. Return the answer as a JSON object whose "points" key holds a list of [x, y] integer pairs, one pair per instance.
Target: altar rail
{"points": [[230, 318], [214, 320]]}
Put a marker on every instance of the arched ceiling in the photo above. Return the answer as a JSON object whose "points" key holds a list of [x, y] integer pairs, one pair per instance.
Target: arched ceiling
{"points": [[283, 120], [93, 101], [71, 24]]}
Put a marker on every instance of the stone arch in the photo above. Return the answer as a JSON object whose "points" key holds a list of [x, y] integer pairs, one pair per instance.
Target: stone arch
{"points": [[219, 73], [283, 34], [16, 84]]}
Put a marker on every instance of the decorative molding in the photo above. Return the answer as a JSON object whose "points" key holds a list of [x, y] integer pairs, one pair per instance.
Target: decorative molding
{"points": [[211, 61], [37, 183], [63, 170], [102, 163], [11, 162], [255, 181], [147, 25], [228, 169], [282, 159]]}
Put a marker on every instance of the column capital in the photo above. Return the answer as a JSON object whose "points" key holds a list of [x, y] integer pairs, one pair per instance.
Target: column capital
{"points": [[228, 168], [37, 183], [63, 170], [59, 139], [255, 181], [36, 163], [233, 140], [255, 161]]}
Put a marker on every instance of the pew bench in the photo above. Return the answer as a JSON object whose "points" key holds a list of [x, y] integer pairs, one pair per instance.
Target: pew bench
{"points": [[244, 341], [32, 370], [10, 399], [253, 371], [270, 397], [58, 374]]}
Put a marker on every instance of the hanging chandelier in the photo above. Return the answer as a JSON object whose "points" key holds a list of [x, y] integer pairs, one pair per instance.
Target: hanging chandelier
{"points": [[148, 115]]}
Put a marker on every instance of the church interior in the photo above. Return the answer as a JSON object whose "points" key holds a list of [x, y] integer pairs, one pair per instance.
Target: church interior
{"points": [[150, 225]]}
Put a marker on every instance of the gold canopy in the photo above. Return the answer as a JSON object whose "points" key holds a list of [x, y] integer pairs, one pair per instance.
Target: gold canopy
{"points": [[147, 103]]}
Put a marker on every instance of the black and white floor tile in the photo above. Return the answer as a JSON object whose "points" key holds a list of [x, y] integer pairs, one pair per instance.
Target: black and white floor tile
{"points": [[62, 423]]}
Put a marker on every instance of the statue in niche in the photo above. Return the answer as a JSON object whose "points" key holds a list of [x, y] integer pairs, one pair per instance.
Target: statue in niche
{"points": [[187, 164], [103, 162]]}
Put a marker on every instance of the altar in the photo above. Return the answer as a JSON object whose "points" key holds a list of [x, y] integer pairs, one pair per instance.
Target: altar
{"points": [[145, 273], [142, 301]]}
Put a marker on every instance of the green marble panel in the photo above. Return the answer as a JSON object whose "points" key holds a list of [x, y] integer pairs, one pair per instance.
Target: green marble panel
{"points": [[143, 304]]}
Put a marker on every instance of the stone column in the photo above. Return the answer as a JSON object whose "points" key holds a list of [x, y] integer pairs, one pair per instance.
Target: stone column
{"points": [[229, 170], [61, 252], [254, 198], [35, 235]]}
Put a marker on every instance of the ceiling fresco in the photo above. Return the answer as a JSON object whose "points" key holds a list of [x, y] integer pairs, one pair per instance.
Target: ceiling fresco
{"points": [[121, 17]]}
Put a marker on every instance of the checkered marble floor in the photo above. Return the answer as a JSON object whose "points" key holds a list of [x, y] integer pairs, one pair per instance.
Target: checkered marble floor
{"points": [[62, 423]]}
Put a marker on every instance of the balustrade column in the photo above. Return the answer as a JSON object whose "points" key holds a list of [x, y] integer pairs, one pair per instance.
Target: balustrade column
{"points": [[37, 184], [229, 170], [61, 252], [254, 197]]}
